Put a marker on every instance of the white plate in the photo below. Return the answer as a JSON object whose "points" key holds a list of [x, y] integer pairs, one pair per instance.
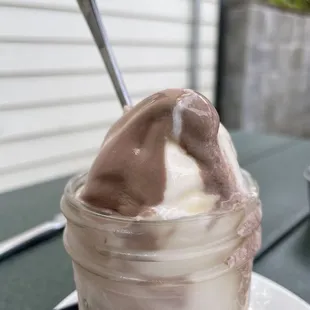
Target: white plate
{"points": [[268, 295], [265, 295]]}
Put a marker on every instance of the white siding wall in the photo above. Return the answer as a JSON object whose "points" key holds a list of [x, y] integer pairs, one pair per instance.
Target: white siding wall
{"points": [[56, 100]]}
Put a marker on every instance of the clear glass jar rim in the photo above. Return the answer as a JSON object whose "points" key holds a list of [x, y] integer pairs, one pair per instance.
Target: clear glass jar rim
{"points": [[77, 181]]}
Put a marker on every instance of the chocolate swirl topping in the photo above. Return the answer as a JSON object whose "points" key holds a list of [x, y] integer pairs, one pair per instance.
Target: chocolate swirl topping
{"points": [[128, 176]]}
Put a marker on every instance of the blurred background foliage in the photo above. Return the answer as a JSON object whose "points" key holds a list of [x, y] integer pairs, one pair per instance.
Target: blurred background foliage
{"points": [[301, 5]]}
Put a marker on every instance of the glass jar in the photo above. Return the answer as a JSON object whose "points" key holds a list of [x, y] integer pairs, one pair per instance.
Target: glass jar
{"points": [[180, 264]]}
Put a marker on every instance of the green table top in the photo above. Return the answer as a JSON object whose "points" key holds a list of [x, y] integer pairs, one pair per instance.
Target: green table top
{"points": [[40, 277], [288, 263]]}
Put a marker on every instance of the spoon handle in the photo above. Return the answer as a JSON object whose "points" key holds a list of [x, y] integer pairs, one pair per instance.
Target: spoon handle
{"points": [[92, 16], [30, 237]]}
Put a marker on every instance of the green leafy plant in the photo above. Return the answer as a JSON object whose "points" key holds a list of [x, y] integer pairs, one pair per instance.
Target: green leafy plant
{"points": [[301, 5]]}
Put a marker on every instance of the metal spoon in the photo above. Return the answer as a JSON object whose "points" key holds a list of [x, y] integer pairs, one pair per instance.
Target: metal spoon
{"points": [[92, 16], [32, 236]]}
